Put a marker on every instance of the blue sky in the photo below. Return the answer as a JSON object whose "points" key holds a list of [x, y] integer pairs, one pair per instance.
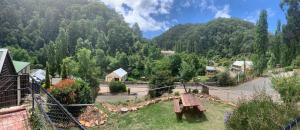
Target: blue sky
{"points": [[156, 16]]}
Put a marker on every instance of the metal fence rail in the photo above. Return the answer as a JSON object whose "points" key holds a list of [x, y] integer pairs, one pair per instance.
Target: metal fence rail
{"points": [[292, 124]]}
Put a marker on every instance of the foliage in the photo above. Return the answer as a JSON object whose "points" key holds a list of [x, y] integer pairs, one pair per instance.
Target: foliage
{"points": [[261, 113], [72, 92], [224, 79], [288, 88], [223, 37], [177, 93], [87, 68], [261, 41], [291, 31], [20, 54], [196, 91], [296, 62], [161, 77], [187, 72], [117, 86], [47, 78], [36, 121], [64, 74]]}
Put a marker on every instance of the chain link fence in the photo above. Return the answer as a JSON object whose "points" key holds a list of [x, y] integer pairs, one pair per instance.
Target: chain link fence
{"points": [[29, 106]]}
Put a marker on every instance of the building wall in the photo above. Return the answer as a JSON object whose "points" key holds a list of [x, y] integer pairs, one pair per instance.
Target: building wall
{"points": [[8, 84], [112, 76]]}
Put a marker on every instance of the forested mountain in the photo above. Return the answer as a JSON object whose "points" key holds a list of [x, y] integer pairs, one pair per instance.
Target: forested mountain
{"points": [[36, 25], [224, 37]]}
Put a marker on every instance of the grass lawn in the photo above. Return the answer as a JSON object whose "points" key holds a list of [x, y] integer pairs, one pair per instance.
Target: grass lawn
{"points": [[161, 116]]}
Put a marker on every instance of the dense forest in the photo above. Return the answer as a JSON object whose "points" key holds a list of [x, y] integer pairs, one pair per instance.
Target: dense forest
{"points": [[89, 40], [225, 37], [83, 36]]}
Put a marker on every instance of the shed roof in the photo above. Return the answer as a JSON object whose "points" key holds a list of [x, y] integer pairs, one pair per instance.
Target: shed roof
{"points": [[241, 63], [20, 65], [210, 68], [3, 53], [39, 74], [120, 72]]}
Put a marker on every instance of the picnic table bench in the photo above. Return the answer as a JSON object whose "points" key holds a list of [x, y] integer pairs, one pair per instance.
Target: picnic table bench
{"points": [[186, 103]]}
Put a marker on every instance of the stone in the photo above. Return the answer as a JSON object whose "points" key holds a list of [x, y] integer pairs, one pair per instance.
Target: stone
{"points": [[124, 110], [102, 122], [134, 109]]}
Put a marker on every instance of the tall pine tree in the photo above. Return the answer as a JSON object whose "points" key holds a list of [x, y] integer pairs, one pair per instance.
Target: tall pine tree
{"points": [[291, 31], [261, 41]]}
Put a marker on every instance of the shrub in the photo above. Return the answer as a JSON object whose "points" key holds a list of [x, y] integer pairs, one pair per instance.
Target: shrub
{"points": [[195, 91], [289, 68], [288, 88], [189, 91], [296, 62], [117, 87], [224, 79], [261, 113], [176, 93], [205, 90], [128, 91], [71, 92]]}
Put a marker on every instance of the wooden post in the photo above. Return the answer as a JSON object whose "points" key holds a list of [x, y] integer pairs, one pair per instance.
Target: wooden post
{"points": [[18, 90]]}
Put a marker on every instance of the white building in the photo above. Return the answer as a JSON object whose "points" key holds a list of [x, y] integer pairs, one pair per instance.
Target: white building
{"points": [[117, 75], [241, 66]]}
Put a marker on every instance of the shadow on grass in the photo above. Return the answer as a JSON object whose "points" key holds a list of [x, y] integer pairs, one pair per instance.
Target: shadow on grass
{"points": [[193, 117]]}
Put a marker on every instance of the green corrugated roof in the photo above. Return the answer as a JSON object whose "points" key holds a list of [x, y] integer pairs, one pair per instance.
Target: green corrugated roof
{"points": [[19, 65]]}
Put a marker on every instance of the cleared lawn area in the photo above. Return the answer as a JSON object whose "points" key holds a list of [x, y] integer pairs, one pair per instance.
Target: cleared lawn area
{"points": [[161, 116]]}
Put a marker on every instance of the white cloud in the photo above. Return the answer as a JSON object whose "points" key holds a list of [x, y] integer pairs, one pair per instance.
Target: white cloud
{"points": [[142, 12], [252, 17], [223, 13], [209, 5]]}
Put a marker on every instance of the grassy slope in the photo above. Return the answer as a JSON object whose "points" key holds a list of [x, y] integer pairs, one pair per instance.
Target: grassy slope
{"points": [[161, 116]]}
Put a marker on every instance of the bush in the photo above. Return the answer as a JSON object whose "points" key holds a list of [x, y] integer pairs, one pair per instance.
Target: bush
{"points": [[288, 88], [289, 68], [296, 62], [72, 92], [176, 93], [224, 79], [117, 87], [195, 91], [261, 113], [128, 91]]}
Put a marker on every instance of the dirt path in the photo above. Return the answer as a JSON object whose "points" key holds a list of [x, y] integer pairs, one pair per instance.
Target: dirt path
{"points": [[233, 94]]}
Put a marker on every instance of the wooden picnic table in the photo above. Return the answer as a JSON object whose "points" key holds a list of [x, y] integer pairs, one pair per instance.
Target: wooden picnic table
{"points": [[186, 103]]}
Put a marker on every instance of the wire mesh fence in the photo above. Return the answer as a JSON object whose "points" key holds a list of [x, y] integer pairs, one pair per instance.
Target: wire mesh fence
{"points": [[46, 112], [55, 115]]}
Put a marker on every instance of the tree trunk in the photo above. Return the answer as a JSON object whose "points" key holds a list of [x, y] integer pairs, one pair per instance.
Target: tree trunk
{"points": [[184, 86]]}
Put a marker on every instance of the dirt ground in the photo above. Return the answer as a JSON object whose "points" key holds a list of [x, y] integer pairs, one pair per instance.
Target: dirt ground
{"points": [[232, 94]]}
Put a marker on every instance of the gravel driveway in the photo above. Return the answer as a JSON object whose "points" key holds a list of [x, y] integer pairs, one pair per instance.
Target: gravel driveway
{"points": [[233, 94]]}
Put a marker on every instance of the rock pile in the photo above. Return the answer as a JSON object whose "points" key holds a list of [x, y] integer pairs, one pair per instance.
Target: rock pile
{"points": [[92, 116]]}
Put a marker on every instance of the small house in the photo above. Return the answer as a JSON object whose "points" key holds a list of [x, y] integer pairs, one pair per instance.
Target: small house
{"points": [[210, 70], [117, 75], [241, 66]]}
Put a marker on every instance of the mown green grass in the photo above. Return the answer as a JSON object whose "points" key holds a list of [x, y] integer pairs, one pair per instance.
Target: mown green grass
{"points": [[161, 117]]}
